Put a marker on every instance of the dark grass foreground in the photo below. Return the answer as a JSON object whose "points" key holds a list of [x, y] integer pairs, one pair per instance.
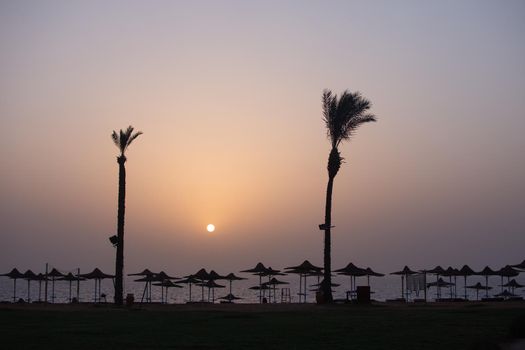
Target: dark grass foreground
{"points": [[258, 327]]}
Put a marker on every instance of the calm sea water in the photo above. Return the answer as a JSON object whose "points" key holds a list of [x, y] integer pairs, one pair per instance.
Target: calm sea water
{"points": [[388, 287]]}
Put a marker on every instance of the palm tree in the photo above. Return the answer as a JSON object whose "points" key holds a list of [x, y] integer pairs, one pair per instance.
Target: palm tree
{"points": [[122, 141], [342, 116]]}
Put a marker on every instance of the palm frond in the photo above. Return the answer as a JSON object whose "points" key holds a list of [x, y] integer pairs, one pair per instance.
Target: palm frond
{"points": [[343, 115], [124, 138]]}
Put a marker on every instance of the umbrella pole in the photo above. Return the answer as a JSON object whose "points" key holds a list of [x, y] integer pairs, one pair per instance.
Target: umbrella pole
{"points": [[190, 292], [14, 291], [99, 288], [502, 283], [465, 286], [260, 289], [144, 293], [231, 286], [28, 290], [95, 290], [402, 287], [70, 283], [487, 286], [53, 289], [78, 285], [305, 292], [40, 290], [45, 292], [300, 286]]}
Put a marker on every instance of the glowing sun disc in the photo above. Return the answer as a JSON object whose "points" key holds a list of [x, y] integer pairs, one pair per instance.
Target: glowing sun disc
{"points": [[210, 228]]}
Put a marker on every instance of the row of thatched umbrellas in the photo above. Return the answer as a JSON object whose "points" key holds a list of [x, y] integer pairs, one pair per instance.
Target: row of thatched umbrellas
{"points": [[205, 279], [507, 271], [55, 275]]}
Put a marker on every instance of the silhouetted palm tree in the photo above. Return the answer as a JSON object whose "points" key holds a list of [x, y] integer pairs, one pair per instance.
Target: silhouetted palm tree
{"points": [[342, 116], [122, 140]]}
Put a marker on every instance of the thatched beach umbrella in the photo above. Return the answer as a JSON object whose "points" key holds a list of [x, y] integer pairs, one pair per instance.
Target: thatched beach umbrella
{"points": [[439, 283], [165, 285], [54, 274], [466, 271], [40, 278], [145, 272], [189, 281], [231, 277], [14, 274], [29, 276], [230, 298], [202, 275], [452, 272], [512, 284], [211, 285], [478, 286], [354, 272], [369, 272], [404, 274], [70, 278], [98, 276], [487, 271], [505, 294], [438, 271], [258, 270], [148, 280], [508, 272], [304, 270]]}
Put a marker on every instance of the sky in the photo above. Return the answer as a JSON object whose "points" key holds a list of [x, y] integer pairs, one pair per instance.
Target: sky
{"points": [[228, 95]]}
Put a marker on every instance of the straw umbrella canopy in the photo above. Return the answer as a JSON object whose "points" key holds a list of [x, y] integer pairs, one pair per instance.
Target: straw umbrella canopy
{"points": [[370, 272], [352, 271], [512, 284], [14, 274], [70, 278], [508, 272], [164, 276], [304, 270], [40, 278], [211, 285], [148, 280], [165, 285], [214, 276], [520, 266], [487, 271], [478, 286], [466, 271], [54, 273], [189, 281], [29, 276], [439, 283], [230, 298], [404, 274], [231, 277], [145, 272], [506, 294], [98, 276], [258, 270], [452, 272], [202, 275]]}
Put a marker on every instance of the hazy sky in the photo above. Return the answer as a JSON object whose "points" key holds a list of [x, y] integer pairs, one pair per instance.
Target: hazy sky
{"points": [[228, 95]]}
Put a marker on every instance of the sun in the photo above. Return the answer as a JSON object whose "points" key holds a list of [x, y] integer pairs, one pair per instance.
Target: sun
{"points": [[210, 227]]}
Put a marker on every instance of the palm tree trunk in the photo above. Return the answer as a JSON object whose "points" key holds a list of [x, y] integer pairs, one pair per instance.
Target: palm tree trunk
{"points": [[327, 286], [119, 268]]}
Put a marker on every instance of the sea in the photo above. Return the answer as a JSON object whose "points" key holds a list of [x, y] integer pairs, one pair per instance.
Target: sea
{"points": [[382, 288]]}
